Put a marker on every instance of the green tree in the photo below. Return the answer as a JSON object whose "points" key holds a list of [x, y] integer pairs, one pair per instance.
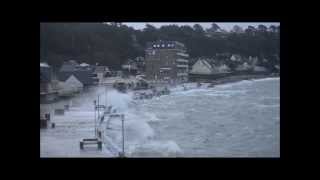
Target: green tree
{"points": [[214, 28], [198, 29], [262, 28], [237, 29], [111, 44]]}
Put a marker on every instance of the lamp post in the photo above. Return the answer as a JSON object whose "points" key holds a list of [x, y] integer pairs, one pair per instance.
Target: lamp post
{"points": [[122, 128], [95, 107], [98, 116], [106, 97]]}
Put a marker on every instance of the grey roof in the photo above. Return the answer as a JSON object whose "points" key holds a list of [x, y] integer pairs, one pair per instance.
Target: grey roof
{"points": [[45, 74], [44, 64], [68, 68], [85, 77], [72, 62], [43, 78], [83, 74]]}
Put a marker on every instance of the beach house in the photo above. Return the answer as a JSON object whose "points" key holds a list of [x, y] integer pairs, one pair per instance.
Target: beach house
{"points": [[83, 72], [202, 70], [202, 67], [47, 93]]}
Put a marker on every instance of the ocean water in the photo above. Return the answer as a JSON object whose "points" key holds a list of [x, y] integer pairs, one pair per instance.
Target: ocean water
{"points": [[239, 119], [232, 120]]}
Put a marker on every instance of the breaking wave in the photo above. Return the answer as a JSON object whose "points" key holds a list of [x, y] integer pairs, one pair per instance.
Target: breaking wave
{"points": [[139, 135]]}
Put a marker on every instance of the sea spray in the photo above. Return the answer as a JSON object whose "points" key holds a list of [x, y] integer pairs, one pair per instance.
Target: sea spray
{"points": [[155, 149], [119, 101]]}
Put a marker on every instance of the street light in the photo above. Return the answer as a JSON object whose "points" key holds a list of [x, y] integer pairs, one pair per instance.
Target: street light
{"points": [[95, 116], [122, 127]]}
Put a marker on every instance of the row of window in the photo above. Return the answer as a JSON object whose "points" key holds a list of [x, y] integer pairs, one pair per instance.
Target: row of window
{"points": [[163, 45], [182, 70]]}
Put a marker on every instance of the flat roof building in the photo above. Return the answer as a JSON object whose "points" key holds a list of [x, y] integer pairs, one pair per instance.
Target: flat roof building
{"points": [[166, 60]]}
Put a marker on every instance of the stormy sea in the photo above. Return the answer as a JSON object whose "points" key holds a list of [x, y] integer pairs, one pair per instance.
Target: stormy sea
{"points": [[240, 119]]}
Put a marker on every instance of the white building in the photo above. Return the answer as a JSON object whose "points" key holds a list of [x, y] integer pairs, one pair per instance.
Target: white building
{"points": [[235, 57], [201, 67], [223, 68], [84, 65], [74, 83], [71, 86], [243, 67]]}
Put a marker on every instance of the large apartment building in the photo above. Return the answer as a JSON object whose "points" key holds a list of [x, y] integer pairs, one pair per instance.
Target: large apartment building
{"points": [[166, 60]]}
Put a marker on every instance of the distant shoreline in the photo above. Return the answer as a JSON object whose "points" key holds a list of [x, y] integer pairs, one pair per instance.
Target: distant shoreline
{"points": [[236, 78], [217, 81]]}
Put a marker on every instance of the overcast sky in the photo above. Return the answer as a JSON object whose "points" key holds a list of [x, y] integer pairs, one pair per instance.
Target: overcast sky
{"points": [[227, 26]]}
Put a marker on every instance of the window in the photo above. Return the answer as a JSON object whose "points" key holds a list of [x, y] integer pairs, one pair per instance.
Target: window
{"points": [[152, 52]]}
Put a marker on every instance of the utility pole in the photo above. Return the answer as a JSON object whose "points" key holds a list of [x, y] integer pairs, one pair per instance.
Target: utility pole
{"points": [[106, 97], [95, 116], [98, 116]]}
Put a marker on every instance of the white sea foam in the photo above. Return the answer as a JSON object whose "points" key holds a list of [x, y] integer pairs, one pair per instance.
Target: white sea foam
{"points": [[267, 79], [155, 149], [173, 127]]}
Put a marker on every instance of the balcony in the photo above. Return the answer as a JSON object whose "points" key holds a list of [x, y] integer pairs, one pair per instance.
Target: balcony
{"points": [[182, 54], [182, 74], [165, 68], [182, 60], [182, 66]]}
